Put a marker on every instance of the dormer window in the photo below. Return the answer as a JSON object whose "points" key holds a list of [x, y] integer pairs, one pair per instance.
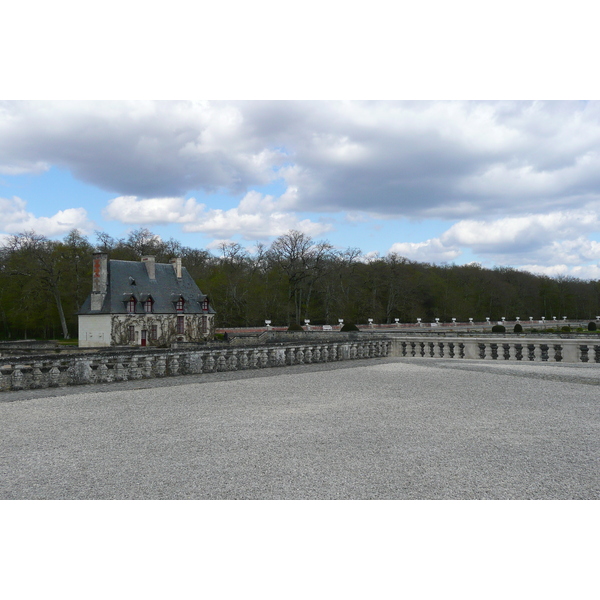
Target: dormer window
{"points": [[205, 304], [131, 305], [180, 304], [148, 305]]}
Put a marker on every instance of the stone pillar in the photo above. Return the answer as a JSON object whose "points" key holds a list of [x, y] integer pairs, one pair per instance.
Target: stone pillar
{"points": [[173, 365], [308, 355], [221, 362], [232, 361], [37, 380], [134, 370], [161, 366], [120, 371], [209, 363], [16, 382], [290, 356], [102, 374]]}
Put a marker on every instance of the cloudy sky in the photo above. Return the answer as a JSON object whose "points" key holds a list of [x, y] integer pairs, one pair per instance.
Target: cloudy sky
{"points": [[497, 180], [512, 183]]}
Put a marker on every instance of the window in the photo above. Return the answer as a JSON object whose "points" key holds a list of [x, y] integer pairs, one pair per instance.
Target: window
{"points": [[148, 305], [153, 332], [204, 324], [131, 305], [180, 324], [205, 304], [132, 333], [180, 304]]}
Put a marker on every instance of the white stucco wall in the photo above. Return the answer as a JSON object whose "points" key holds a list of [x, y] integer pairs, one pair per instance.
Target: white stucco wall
{"points": [[113, 330], [94, 331], [166, 328]]}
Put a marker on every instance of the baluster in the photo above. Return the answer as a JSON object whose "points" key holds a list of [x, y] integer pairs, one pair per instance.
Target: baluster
{"points": [[37, 379], [210, 363], [17, 379], [173, 365], [221, 362], [232, 362], [308, 355], [161, 366]]}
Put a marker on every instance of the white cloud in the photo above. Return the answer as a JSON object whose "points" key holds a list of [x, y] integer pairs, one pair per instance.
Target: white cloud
{"points": [[430, 159], [556, 240], [431, 251], [579, 271], [257, 216], [156, 211], [529, 231], [16, 219]]}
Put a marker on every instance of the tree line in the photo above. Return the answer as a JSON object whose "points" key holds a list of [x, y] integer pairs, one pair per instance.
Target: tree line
{"points": [[44, 282]]}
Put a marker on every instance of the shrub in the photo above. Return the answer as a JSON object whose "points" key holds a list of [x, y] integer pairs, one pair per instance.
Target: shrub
{"points": [[518, 328], [566, 328], [295, 327], [498, 329], [349, 327], [592, 326]]}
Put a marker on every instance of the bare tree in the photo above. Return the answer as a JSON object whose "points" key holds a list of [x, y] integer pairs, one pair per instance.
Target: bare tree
{"points": [[302, 260]]}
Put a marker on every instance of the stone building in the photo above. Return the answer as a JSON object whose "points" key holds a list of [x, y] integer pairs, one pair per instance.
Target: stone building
{"points": [[143, 304]]}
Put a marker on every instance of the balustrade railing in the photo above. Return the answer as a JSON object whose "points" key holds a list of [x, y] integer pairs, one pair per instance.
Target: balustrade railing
{"points": [[519, 349], [44, 372]]}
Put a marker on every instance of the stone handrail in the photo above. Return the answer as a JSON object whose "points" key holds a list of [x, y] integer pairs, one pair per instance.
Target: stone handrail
{"points": [[46, 371], [499, 348]]}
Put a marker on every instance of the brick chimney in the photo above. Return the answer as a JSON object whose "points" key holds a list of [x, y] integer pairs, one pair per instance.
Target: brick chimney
{"points": [[149, 261], [176, 262], [99, 279]]}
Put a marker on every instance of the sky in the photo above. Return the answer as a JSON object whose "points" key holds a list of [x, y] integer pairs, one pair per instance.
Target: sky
{"points": [[471, 136], [502, 183]]}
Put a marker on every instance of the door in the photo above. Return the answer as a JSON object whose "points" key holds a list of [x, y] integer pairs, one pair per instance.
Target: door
{"points": [[144, 335]]}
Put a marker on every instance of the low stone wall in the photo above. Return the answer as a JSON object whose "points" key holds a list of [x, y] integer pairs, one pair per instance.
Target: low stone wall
{"points": [[301, 337], [54, 371], [499, 348]]}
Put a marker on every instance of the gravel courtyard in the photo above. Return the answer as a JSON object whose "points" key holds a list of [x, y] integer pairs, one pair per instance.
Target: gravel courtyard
{"points": [[374, 429]]}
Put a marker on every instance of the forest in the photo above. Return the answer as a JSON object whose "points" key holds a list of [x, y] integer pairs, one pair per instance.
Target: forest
{"points": [[43, 283]]}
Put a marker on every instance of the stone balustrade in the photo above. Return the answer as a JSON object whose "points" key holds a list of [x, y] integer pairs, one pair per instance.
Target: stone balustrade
{"points": [[500, 348], [46, 371]]}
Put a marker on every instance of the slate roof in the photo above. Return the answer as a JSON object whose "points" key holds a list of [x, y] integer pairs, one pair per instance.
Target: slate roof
{"points": [[129, 278]]}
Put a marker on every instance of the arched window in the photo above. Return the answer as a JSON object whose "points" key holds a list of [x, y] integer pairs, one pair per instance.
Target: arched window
{"points": [[131, 305]]}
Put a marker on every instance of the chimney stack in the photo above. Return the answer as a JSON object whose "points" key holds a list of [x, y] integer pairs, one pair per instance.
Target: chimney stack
{"points": [[176, 262], [149, 261], [99, 280]]}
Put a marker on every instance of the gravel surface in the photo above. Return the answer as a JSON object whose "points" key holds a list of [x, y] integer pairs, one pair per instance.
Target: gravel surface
{"points": [[377, 429]]}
